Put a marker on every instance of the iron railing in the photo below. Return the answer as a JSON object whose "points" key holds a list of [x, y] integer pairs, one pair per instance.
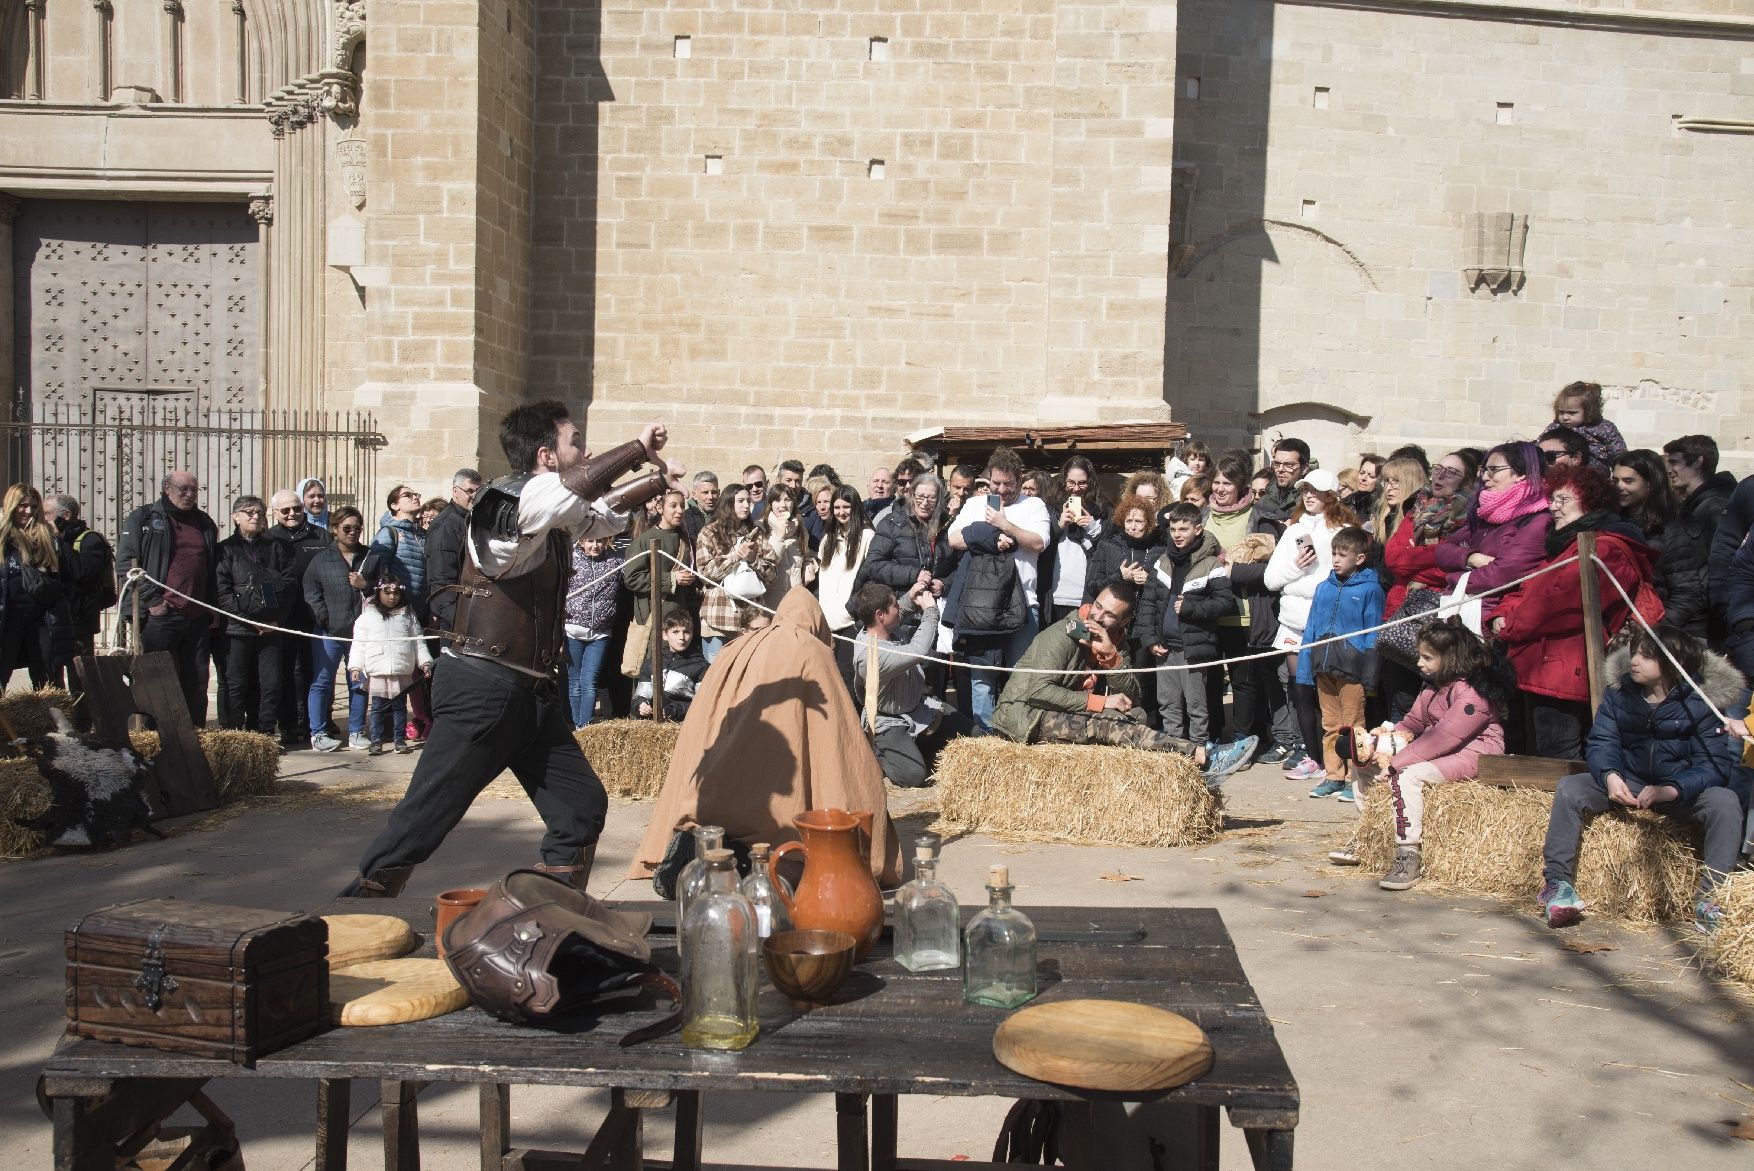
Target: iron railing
{"points": [[111, 455]]}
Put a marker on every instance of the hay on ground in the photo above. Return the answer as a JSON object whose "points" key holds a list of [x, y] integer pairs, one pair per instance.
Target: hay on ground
{"points": [[23, 793], [28, 711], [1633, 866], [631, 756], [1075, 793], [1730, 948]]}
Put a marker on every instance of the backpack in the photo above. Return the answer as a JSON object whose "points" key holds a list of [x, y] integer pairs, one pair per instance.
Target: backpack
{"points": [[102, 590], [992, 596]]}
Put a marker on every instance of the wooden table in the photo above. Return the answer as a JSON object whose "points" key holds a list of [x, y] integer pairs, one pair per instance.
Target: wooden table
{"points": [[889, 1032]]}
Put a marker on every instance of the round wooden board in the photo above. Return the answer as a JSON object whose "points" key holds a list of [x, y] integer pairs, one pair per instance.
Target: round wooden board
{"points": [[389, 992], [1103, 1045], [357, 939]]}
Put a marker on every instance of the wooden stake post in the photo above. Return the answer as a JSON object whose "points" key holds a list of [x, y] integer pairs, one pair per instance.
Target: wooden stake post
{"points": [[1595, 640], [657, 631], [871, 685]]}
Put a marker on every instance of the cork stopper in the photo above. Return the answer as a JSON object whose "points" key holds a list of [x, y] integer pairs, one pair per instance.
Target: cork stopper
{"points": [[999, 875], [760, 849], [717, 859], [923, 852]]}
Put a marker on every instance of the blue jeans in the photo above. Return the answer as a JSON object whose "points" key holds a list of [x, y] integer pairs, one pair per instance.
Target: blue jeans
{"points": [[584, 662], [327, 656], [995, 651], [389, 719], [711, 645]]}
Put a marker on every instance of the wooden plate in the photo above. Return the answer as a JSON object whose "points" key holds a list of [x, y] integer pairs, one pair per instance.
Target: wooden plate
{"points": [[389, 992], [356, 939], [1103, 1045]]}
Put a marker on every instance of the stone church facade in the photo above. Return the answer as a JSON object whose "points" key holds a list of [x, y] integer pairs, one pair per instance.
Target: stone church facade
{"points": [[811, 229]]}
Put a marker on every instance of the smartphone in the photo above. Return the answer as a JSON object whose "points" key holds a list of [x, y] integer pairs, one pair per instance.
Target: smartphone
{"points": [[1303, 541], [1077, 505], [993, 501]]}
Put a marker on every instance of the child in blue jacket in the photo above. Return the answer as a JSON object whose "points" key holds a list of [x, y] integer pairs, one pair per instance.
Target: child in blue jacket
{"points": [[1349, 601]]}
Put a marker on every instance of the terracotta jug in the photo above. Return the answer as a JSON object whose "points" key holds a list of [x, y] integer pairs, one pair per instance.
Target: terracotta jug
{"points": [[837, 892]]}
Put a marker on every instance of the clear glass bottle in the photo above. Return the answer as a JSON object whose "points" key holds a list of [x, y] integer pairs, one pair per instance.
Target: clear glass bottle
{"points": [[720, 972], [770, 912], [692, 880], [928, 923], [999, 968]]}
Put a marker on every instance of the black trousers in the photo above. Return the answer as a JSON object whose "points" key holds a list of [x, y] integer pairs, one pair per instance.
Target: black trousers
{"points": [[482, 724], [252, 681], [295, 686], [185, 637], [1245, 689]]}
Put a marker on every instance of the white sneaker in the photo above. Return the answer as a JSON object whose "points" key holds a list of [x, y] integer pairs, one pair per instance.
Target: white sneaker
{"points": [[322, 743], [359, 740]]}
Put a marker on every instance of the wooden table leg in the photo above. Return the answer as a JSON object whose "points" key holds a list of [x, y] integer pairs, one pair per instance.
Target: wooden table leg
{"points": [[851, 1134], [401, 1125], [885, 1125], [76, 1148], [1206, 1131], [1270, 1149], [334, 1110], [619, 1144], [1077, 1136], [690, 1127], [496, 1125]]}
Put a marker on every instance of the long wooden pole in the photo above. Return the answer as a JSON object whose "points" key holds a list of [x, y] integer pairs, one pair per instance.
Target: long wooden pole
{"points": [[656, 634], [871, 683], [1595, 640]]}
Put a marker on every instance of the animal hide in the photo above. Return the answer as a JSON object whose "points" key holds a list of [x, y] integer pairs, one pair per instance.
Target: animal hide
{"points": [[97, 794]]}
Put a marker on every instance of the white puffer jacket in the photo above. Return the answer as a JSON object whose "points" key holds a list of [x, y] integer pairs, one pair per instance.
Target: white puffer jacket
{"points": [[1296, 587], [386, 646]]}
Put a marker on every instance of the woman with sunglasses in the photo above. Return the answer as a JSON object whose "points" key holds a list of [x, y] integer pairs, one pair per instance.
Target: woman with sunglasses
{"points": [[1506, 531], [334, 588]]}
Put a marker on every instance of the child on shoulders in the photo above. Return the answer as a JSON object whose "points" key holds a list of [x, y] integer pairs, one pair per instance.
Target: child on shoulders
{"points": [[1579, 407]]}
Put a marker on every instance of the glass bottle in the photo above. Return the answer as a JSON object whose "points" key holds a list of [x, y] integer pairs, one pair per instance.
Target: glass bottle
{"points": [[692, 880], [928, 923], [720, 973], [770, 912], [1000, 951]]}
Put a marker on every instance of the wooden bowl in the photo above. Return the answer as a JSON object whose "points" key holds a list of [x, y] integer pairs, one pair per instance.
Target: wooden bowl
{"points": [[808, 966]]}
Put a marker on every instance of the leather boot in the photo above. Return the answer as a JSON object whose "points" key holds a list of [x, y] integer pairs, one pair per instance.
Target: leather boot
{"points": [[379, 884], [578, 872]]}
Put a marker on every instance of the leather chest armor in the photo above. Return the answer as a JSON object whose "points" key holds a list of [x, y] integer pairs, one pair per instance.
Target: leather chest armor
{"points": [[519, 620]]}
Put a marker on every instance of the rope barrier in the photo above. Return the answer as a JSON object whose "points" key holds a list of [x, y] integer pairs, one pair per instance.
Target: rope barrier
{"points": [[891, 649], [137, 575]]}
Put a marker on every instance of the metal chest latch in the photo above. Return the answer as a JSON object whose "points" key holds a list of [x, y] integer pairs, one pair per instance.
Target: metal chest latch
{"points": [[152, 982]]}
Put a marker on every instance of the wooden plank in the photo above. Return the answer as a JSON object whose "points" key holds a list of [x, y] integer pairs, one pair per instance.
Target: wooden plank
{"points": [[1542, 773], [334, 1115], [617, 1145], [401, 1124], [1270, 1150], [496, 1125], [885, 1129], [1595, 639], [119, 687], [690, 1130], [851, 1136]]}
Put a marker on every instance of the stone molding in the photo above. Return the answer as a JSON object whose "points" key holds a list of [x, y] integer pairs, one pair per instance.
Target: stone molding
{"points": [[1554, 12], [262, 209]]}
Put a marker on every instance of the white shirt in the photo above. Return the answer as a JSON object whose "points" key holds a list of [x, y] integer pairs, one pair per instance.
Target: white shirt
{"points": [[1028, 514], [1070, 567], [545, 504]]}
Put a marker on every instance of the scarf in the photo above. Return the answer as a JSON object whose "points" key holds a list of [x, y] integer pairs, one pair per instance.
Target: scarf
{"points": [[1436, 517], [1499, 505], [1563, 537]]}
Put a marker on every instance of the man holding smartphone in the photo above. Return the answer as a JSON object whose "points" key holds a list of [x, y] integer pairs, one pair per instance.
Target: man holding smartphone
{"points": [[1004, 523]]}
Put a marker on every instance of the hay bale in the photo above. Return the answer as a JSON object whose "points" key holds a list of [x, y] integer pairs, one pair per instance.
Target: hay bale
{"points": [[244, 764], [1730, 949], [28, 711], [1633, 866], [23, 793], [631, 756], [1076, 793]]}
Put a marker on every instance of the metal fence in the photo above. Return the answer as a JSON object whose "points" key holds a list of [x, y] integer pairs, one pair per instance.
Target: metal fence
{"points": [[113, 454]]}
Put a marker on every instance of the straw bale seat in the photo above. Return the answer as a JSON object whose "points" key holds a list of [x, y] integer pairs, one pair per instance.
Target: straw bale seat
{"points": [[631, 756]]}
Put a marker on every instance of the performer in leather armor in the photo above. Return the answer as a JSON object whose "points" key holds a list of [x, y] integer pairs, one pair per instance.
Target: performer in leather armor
{"points": [[496, 703]]}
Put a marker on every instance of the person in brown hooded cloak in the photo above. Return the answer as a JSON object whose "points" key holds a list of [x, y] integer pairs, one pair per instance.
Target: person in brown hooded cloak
{"points": [[772, 733]]}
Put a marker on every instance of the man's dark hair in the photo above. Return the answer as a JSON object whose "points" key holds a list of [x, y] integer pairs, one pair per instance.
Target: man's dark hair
{"points": [[755, 468], [1696, 451], [394, 495], [795, 466], [827, 472], [1123, 591], [1351, 539], [1574, 441], [871, 598], [1413, 452], [528, 429], [1297, 445], [676, 618], [1004, 459], [1182, 512], [966, 471]]}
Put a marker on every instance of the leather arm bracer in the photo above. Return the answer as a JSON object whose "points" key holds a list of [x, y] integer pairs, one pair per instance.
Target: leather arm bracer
{"points": [[635, 493], [594, 476]]}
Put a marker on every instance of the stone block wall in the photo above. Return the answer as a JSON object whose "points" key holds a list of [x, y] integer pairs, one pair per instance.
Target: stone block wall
{"points": [[810, 230], [1337, 158]]}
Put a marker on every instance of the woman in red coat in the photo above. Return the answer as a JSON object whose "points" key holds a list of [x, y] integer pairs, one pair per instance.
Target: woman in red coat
{"points": [[1541, 624]]}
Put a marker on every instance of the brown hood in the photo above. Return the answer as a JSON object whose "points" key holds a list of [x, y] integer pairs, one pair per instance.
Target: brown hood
{"points": [[772, 732]]}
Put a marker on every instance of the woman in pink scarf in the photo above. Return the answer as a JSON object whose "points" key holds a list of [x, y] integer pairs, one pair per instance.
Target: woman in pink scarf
{"points": [[1506, 534]]}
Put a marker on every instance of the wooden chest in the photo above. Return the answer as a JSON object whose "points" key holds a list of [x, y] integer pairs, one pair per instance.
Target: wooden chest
{"points": [[198, 978]]}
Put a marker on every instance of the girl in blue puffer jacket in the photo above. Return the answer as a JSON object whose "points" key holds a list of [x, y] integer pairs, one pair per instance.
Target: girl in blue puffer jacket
{"points": [[1656, 745]]}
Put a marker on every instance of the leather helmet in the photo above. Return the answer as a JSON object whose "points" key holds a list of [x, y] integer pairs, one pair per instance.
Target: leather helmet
{"points": [[536, 948]]}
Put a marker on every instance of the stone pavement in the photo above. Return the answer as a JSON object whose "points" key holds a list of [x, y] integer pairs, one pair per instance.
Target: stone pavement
{"points": [[1424, 1031]]}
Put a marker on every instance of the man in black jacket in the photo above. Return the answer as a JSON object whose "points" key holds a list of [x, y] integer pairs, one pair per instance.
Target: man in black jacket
{"points": [[1704, 493], [444, 548], [173, 542], [91, 577], [303, 540], [253, 584]]}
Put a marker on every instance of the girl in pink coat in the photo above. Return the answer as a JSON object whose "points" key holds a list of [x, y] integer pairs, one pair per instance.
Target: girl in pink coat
{"points": [[1457, 718]]}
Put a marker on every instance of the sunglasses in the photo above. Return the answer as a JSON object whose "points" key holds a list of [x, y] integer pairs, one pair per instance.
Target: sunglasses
{"points": [[1552, 457], [289, 511], [349, 528]]}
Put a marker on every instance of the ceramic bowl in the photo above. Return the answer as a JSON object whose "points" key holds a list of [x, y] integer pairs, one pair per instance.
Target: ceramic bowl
{"points": [[808, 966]]}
